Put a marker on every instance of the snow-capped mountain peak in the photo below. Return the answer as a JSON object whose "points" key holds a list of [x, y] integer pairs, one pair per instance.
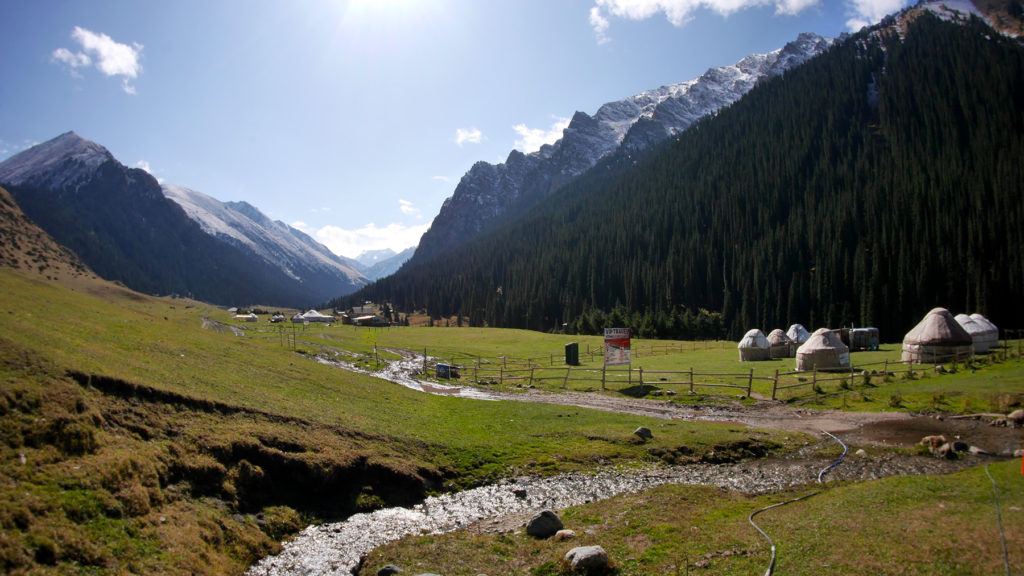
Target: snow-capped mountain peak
{"points": [[58, 163]]}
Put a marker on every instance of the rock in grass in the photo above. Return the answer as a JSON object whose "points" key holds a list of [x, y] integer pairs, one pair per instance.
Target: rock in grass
{"points": [[587, 558], [544, 525], [1016, 418], [389, 570], [644, 432], [563, 535]]}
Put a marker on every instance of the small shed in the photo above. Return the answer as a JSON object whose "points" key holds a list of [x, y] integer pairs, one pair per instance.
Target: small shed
{"points": [[937, 338], [250, 317], [992, 331], [780, 345], [864, 339], [754, 346], [823, 351], [797, 333]]}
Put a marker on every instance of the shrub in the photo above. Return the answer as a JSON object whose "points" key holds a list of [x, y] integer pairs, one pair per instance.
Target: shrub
{"points": [[895, 400]]}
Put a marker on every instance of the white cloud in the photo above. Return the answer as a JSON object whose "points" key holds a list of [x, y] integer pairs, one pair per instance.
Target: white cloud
{"points": [[868, 12], [531, 139], [407, 208], [110, 57], [679, 12], [444, 179], [352, 243], [471, 135], [600, 25]]}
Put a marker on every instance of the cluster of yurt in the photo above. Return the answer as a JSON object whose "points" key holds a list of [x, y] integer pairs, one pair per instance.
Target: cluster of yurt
{"points": [[823, 350], [984, 334], [937, 338], [781, 345], [754, 346]]}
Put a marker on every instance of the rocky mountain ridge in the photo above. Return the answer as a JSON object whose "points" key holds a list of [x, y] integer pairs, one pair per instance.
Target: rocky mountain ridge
{"points": [[488, 192]]}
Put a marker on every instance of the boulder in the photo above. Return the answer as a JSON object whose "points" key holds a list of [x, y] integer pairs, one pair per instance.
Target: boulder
{"points": [[389, 570], [933, 442], [563, 535], [544, 525], [587, 558], [644, 432], [1016, 418]]}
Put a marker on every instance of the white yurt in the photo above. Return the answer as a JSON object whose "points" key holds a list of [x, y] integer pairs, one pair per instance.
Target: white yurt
{"points": [[937, 338], [992, 334], [824, 350], [780, 345], [979, 342], [754, 346], [798, 334]]}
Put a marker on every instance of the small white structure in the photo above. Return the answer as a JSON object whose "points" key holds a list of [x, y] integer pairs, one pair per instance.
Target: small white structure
{"points": [[824, 350], [315, 316], [937, 338], [754, 346], [781, 345], [992, 331], [250, 317], [797, 333]]}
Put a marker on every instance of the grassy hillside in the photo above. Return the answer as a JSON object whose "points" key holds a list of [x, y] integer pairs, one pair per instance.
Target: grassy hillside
{"points": [[140, 435]]}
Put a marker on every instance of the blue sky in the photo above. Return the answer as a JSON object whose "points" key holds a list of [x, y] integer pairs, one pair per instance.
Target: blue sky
{"points": [[354, 120]]}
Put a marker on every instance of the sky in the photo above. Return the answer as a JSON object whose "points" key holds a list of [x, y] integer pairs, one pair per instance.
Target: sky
{"points": [[353, 120]]}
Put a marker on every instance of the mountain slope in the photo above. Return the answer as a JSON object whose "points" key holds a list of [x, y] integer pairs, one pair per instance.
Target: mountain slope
{"points": [[25, 246], [277, 244], [489, 193], [865, 186], [118, 221]]}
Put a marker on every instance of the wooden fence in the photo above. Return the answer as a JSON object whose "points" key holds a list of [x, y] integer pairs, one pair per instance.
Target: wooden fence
{"points": [[545, 373]]}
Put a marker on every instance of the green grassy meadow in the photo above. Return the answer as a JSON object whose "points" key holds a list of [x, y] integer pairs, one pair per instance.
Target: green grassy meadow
{"points": [[146, 435]]}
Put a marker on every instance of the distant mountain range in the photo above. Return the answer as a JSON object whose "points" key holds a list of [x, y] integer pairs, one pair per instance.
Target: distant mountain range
{"points": [[490, 194], [169, 239]]}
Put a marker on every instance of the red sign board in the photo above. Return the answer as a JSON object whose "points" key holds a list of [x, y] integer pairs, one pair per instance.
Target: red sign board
{"points": [[616, 346]]}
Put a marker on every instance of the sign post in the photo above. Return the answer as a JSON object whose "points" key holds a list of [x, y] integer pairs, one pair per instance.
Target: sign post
{"points": [[616, 346]]}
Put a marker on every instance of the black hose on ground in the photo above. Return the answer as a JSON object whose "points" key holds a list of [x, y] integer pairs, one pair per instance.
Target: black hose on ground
{"points": [[827, 469]]}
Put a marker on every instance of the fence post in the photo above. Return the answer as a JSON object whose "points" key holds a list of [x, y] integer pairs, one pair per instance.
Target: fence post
{"points": [[424, 359], [814, 380], [691, 380], [531, 376], [641, 376], [885, 368], [603, 368], [775, 383], [750, 383], [501, 375], [565, 383], [629, 374]]}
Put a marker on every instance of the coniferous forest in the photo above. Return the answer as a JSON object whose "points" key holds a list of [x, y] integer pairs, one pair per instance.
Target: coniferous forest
{"points": [[875, 182]]}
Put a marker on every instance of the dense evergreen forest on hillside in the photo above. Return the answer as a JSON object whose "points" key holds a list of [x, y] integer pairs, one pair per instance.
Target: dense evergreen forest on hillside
{"points": [[865, 187]]}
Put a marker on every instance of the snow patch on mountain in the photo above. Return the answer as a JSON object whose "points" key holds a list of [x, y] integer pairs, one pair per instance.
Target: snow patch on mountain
{"points": [[60, 163], [275, 242]]}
